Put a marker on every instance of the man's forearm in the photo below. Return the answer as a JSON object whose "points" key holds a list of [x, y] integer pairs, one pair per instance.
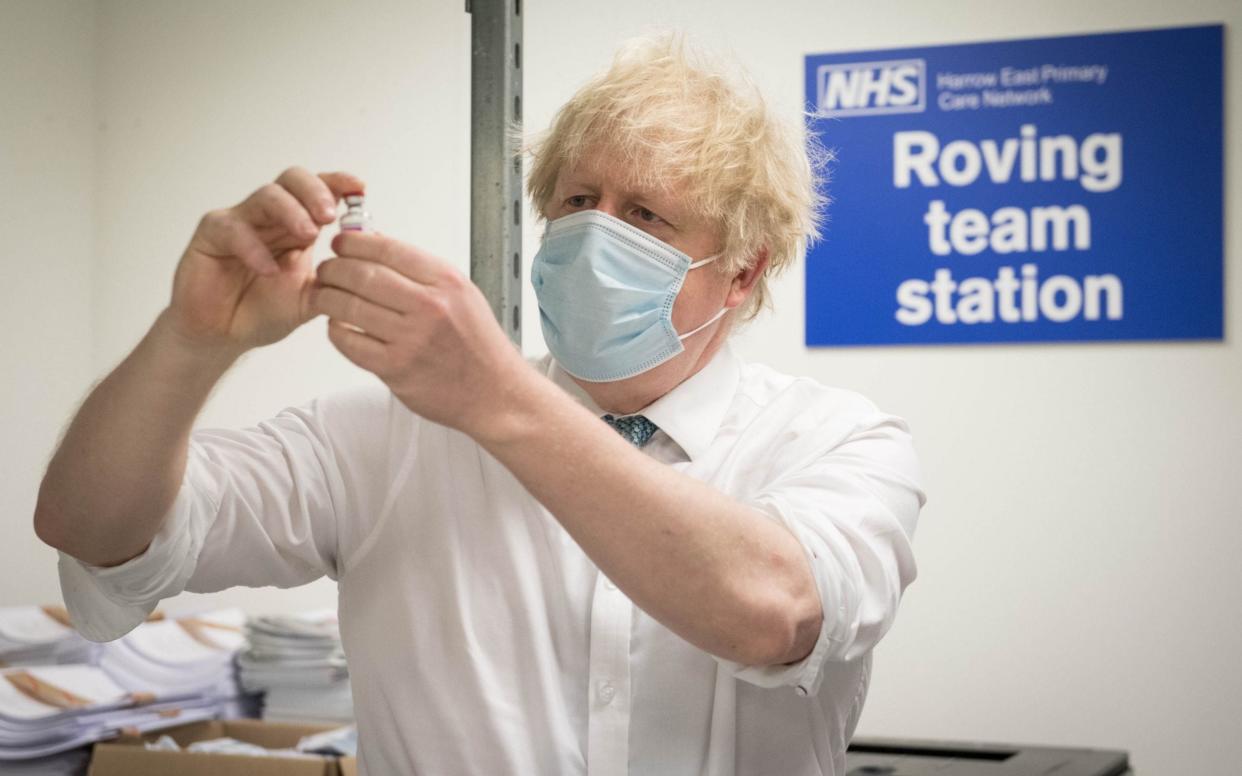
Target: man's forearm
{"points": [[714, 571], [117, 470]]}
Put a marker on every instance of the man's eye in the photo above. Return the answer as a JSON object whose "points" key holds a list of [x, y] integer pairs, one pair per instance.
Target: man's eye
{"points": [[578, 200], [648, 216]]}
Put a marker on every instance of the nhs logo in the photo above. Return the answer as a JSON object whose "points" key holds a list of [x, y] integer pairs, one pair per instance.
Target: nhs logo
{"points": [[870, 88]]}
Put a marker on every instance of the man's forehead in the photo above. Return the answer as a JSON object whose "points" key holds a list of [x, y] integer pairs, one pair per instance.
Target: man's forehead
{"points": [[638, 179]]}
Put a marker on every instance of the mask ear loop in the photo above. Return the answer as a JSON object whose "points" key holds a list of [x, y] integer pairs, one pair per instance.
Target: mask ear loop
{"points": [[715, 317], [707, 323]]}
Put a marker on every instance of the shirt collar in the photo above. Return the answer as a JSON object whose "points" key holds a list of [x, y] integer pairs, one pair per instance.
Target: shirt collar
{"points": [[691, 413]]}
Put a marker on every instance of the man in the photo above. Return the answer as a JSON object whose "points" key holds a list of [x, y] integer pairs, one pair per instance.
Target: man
{"points": [[523, 589]]}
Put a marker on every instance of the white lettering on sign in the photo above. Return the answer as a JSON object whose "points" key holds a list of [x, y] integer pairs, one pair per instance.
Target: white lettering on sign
{"points": [[867, 88], [1007, 230], [1010, 299], [1095, 161]]}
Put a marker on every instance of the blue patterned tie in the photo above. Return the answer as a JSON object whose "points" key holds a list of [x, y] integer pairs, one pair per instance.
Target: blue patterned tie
{"points": [[635, 428]]}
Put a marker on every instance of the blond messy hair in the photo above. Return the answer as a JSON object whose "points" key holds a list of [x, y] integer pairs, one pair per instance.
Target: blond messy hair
{"points": [[676, 116]]}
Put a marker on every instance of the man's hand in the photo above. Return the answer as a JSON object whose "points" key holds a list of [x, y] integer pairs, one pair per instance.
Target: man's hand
{"points": [[244, 281], [245, 278], [427, 331]]}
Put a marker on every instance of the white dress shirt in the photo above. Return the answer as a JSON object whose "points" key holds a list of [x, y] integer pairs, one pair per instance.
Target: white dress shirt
{"points": [[482, 639]]}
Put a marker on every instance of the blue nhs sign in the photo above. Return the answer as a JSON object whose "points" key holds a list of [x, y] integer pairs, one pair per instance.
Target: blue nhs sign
{"points": [[1041, 190]]}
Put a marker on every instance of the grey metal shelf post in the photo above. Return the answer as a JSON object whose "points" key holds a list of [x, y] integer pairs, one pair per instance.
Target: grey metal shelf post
{"points": [[495, 167]]}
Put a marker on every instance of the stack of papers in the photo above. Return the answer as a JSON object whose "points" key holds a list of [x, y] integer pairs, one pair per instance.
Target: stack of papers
{"points": [[298, 661], [40, 635], [73, 762], [189, 657], [47, 713]]}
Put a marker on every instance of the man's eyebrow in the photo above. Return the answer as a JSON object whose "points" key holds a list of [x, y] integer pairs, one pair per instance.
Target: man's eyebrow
{"points": [[662, 204]]}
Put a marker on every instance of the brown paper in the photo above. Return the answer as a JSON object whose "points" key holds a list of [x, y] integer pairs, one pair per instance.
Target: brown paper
{"points": [[44, 692], [198, 630]]}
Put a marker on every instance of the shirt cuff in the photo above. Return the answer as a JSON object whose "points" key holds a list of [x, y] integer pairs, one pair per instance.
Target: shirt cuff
{"points": [[806, 675], [105, 603]]}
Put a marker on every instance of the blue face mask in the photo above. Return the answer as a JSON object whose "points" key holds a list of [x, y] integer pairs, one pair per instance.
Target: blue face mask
{"points": [[606, 292]]}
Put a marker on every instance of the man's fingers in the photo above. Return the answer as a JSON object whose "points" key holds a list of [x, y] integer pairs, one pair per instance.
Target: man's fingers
{"points": [[419, 266], [274, 205], [341, 183], [360, 348], [371, 281], [315, 195], [380, 322], [226, 234]]}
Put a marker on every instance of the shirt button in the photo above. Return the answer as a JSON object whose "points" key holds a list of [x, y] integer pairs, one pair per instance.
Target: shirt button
{"points": [[609, 584], [802, 691], [606, 692]]}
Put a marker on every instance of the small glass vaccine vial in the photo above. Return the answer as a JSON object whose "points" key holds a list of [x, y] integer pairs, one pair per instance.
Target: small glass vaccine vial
{"points": [[355, 219]]}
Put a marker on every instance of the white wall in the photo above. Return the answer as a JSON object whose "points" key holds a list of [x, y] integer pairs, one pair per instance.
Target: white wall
{"points": [[200, 103], [46, 169], [1077, 555]]}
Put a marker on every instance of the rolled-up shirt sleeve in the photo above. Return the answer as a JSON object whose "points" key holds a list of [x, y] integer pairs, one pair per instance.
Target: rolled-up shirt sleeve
{"points": [[256, 507], [853, 508]]}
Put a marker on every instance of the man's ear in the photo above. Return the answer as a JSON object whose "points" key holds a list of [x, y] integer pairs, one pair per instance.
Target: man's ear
{"points": [[744, 282]]}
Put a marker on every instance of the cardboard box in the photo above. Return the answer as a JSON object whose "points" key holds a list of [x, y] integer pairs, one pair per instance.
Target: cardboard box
{"points": [[126, 756]]}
